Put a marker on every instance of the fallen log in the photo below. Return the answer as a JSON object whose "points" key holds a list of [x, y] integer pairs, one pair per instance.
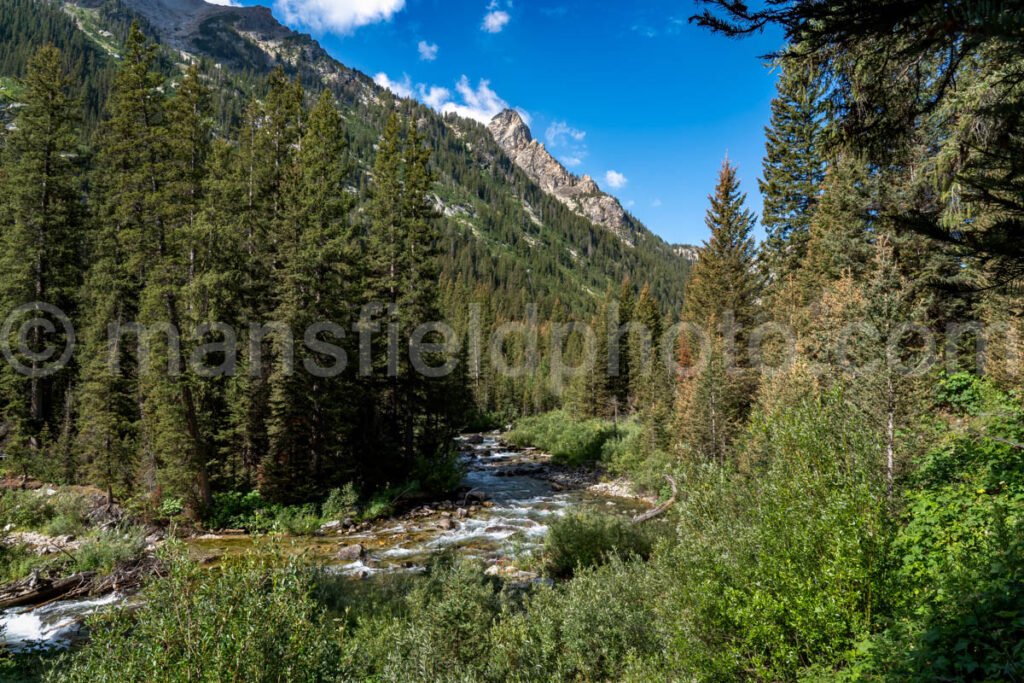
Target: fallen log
{"points": [[661, 509], [29, 593]]}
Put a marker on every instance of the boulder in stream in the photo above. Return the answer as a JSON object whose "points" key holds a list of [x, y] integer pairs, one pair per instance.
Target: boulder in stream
{"points": [[350, 553]]}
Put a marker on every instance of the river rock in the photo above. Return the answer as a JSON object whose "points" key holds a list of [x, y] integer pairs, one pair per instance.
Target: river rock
{"points": [[461, 513], [332, 526], [350, 553], [475, 495], [445, 524], [475, 439]]}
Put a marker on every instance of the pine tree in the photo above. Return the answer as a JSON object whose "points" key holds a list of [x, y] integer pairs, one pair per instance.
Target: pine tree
{"points": [[644, 337], [887, 369], [721, 300], [842, 228], [270, 135], [723, 282], [794, 168], [310, 405], [172, 426], [40, 259], [128, 238]]}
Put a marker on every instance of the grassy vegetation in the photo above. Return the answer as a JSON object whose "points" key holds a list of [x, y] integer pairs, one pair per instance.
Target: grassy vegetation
{"points": [[89, 23], [10, 90], [585, 540], [570, 441], [61, 514]]}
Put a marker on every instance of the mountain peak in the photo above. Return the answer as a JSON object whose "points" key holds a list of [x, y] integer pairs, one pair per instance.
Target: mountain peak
{"points": [[582, 195], [509, 129]]}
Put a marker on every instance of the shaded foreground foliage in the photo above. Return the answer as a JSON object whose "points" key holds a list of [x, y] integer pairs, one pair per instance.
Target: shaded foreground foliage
{"points": [[799, 568]]}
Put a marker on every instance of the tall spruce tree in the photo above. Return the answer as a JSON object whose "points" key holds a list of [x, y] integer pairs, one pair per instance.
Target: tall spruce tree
{"points": [[311, 403], [41, 260], [723, 282], [794, 167], [172, 425], [130, 183], [264, 163], [722, 301]]}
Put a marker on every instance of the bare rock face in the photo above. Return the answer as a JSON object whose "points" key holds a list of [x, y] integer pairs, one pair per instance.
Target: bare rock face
{"points": [[687, 251], [582, 195]]}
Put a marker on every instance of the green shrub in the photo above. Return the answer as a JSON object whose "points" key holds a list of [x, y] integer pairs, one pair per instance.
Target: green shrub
{"points": [[588, 629], [441, 634], [251, 619], [340, 503], [101, 550], [568, 440], [297, 520], [959, 593], [782, 567], [589, 539], [26, 510]]}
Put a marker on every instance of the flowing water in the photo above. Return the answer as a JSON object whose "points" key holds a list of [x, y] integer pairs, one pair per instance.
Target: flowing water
{"points": [[512, 521]]}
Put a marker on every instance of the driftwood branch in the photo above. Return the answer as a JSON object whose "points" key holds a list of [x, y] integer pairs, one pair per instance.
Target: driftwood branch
{"points": [[661, 509], [28, 594]]}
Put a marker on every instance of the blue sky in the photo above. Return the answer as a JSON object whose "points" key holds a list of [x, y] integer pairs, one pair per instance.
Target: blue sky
{"points": [[630, 94]]}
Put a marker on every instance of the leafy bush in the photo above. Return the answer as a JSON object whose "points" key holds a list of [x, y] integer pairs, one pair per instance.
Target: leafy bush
{"points": [[591, 628], [437, 476], [566, 439], [251, 512], [441, 634], [25, 510], [102, 550], [252, 619], [340, 503], [588, 540], [959, 607], [780, 568]]}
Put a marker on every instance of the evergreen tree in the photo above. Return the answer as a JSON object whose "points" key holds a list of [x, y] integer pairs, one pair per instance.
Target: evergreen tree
{"points": [[128, 238], [723, 282], [170, 395], [310, 404], [644, 337], [887, 367], [721, 300], [40, 259], [842, 229], [794, 167], [270, 135]]}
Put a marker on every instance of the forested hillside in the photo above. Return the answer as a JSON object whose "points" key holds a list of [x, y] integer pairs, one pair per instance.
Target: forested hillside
{"points": [[497, 247], [801, 459]]}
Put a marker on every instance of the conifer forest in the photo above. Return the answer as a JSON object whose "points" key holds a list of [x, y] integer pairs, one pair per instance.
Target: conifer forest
{"points": [[310, 375]]}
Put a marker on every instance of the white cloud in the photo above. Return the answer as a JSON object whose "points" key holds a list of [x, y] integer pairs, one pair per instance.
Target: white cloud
{"points": [[559, 133], [630, 203], [402, 88], [428, 52], [615, 180], [495, 21], [480, 104], [656, 203], [337, 16], [435, 96], [226, 3], [566, 142]]}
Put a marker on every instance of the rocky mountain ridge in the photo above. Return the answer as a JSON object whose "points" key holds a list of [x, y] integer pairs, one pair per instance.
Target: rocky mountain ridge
{"points": [[507, 231], [581, 194]]}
